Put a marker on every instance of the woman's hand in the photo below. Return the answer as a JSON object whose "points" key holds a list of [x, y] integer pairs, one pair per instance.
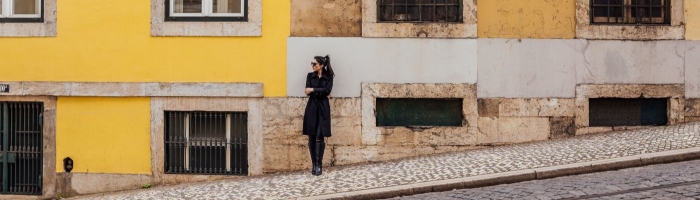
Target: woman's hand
{"points": [[309, 90]]}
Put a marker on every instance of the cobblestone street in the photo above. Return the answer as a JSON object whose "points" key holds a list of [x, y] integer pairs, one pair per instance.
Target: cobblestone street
{"points": [[458, 165], [666, 181]]}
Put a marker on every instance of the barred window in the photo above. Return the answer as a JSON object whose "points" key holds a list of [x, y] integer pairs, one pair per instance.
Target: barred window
{"points": [[420, 11], [650, 12], [206, 143]]}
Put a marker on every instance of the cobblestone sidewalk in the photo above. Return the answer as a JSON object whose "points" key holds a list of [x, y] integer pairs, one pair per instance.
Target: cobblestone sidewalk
{"points": [[434, 168]]}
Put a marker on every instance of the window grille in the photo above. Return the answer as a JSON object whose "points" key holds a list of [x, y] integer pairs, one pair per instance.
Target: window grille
{"points": [[206, 143], [648, 12], [420, 11], [21, 148]]}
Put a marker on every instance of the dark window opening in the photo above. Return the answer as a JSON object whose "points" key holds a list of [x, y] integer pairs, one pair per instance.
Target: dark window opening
{"points": [[419, 112], [21, 148], [206, 143], [631, 12], [420, 11], [628, 112]]}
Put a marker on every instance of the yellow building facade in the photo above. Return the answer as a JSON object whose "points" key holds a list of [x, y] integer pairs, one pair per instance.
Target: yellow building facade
{"points": [[108, 133]]}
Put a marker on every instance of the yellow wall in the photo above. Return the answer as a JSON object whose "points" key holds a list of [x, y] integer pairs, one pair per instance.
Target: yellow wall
{"points": [[527, 18], [110, 41], [104, 135], [692, 19]]}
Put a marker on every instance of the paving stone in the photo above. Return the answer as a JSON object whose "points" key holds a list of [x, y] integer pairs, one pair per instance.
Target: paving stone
{"points": [[635, 183], [447, 166]]}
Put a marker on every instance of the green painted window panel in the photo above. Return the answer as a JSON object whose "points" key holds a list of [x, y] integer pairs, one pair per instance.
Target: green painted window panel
{"points": [[419, 112]]}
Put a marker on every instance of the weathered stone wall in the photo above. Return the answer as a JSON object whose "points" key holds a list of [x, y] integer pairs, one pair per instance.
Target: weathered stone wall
{"points": [[692, 69], [692, 110], [528, 68], [354, 140], [633, 62], [286, 147], [512, 120], [326, 18]]}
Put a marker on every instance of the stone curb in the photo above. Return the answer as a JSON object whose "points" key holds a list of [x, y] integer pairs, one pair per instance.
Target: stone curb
{"points": [[519, 176]]}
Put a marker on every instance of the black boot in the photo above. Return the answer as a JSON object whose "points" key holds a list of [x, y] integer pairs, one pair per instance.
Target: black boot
{"points": [[320, 148], [314, 162]]}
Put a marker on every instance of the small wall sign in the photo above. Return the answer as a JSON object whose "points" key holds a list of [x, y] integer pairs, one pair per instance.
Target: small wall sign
{"points": [[4, 88]]}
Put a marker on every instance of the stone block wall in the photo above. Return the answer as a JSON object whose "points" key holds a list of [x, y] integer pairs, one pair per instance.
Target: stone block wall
{"points": [[514, 120], [286, 148], [692, 110]]}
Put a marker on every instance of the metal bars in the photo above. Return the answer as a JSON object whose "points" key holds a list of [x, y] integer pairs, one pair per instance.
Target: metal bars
{"points": [[206, 143], [631, 12], [419, 11], [22, 152]]}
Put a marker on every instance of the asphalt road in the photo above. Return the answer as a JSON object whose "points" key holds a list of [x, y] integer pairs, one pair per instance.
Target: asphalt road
{"points": [[666, 181]]}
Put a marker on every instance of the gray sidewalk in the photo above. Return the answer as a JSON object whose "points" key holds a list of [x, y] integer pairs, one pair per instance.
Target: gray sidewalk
{"points": [[473, 168]]}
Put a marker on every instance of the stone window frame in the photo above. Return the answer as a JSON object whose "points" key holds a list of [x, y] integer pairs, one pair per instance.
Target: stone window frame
{"points": [[251, 27], [49, 174], [251, 105], [372, 134], [372, 28], [47, 28], [674, 92], [586, 30]]}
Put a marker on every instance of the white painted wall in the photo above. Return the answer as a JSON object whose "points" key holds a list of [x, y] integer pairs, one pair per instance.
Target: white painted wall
{"points": [[633, 62], [528, 68], [692, 69], [381, 60]]}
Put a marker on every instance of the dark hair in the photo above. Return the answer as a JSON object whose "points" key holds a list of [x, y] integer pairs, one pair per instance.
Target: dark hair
{"points": [[326, 62]]}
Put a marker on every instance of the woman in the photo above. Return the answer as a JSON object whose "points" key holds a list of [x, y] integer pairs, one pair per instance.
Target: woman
{"points": [[317, 116]]}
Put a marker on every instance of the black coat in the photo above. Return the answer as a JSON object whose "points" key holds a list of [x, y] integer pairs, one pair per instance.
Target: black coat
{"points": [[318, 106]]}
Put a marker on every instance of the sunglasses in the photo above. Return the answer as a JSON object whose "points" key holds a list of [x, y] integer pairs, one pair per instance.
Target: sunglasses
{"points": [[314, 63]]}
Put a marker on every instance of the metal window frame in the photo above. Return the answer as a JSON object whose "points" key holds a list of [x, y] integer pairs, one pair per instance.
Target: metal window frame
{"points": [[230, 145], [22, 147], [7, 15], [627, 18], [206, 14], [460, 17]]}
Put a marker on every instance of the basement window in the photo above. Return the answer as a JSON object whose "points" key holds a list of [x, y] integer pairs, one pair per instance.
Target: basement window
{"points": [[21, 11], [631, 12], [420, 11], [419, 112], [206, 143], [606, 112]]}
